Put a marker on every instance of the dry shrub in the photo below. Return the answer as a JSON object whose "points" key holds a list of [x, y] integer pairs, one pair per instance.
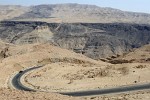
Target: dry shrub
{"points": [[120, 61], [91, 73], [123, 70], [96, 73], [70, 76], [109, 58], [140, 66], [104, 60], [65, 60], [148, 59], [113, 56], [4, 53], [143, 55]]}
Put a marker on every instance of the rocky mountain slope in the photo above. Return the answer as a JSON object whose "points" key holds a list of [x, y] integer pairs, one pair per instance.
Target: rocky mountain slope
{"points": [[72, 13], [11, 11], [102, 40], [93, 40], [140, 55], [99, 33]]}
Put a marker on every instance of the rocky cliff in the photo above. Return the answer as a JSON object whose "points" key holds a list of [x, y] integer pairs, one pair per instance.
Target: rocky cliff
{"points": [[95, 40]]}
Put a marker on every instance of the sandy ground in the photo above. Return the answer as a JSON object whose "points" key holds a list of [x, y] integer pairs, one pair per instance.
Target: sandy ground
{"points": [[7, 94], [22, 57], [76, 77], [65, 70], [141, 55], [140, 95]]}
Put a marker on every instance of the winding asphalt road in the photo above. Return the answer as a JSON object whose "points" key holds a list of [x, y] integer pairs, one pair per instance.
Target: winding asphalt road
{"points": [[18, 85], [16, 80]]}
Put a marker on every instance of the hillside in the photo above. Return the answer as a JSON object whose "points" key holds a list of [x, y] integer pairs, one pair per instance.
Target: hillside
{"points": [[11, 11], [140, 55], [64, 70], [30, 55], [95, 40], [74, 12]]}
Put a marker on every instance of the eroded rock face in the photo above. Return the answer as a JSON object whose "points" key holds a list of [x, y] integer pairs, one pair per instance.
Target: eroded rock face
{"points": [[102, 40], [25, 32], [93, 40]]}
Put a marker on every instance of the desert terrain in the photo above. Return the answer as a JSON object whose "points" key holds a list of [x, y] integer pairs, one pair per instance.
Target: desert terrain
{"points": [[66, 71], [77, 53]]}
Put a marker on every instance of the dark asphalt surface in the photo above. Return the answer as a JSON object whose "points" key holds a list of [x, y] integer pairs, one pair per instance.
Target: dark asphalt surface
{"points": [[16, 80], [109, 91], [18, 85]]}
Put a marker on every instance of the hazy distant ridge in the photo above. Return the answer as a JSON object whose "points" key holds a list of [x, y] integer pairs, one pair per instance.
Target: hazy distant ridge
{"points": [[72, 13]]}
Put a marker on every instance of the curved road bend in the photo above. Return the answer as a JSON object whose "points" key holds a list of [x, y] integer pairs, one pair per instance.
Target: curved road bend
{"points": [[18, 85], [16, 80]]}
